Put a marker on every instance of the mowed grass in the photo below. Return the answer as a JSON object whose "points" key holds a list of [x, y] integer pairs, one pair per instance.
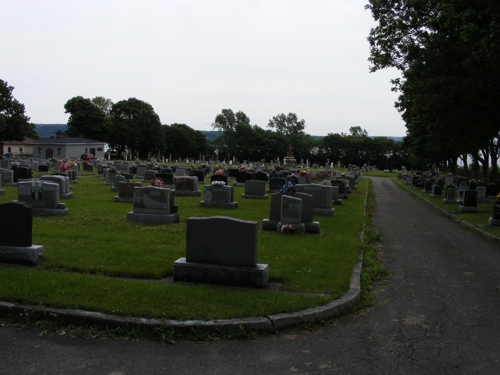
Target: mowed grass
{"points": [[95, 260]]}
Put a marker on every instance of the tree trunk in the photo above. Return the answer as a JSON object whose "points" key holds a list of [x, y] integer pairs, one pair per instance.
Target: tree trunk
{"points": [[466, 167], [486, 163]]}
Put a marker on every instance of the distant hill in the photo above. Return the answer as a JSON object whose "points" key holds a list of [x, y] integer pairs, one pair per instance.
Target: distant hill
{"points": [[50, 130]]}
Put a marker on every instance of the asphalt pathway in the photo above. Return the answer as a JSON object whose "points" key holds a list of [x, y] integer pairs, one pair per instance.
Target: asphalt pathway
{"points": [[438, 314]]}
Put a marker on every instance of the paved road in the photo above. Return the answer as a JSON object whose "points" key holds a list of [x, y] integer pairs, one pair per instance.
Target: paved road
{"points": [[439, 314]]}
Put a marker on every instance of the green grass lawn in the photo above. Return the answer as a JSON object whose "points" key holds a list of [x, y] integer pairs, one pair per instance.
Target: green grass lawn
{"points": [[95, 260]]}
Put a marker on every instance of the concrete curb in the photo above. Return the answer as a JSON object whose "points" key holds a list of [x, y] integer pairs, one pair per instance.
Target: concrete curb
{"points": [[268, 323]]}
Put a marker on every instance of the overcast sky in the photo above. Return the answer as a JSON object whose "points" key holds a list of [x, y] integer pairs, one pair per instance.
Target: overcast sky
{"points": [[190, 59]]}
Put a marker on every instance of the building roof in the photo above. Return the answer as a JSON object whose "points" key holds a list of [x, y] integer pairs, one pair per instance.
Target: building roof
{"points": [[26, 141], [66, 140]]}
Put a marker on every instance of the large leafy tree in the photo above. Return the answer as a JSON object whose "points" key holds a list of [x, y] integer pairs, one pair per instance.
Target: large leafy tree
{"points": [[136, 127], [86, 119], [448, 54], [227, 121], [14, 124], [287, 125], [183, 141]]}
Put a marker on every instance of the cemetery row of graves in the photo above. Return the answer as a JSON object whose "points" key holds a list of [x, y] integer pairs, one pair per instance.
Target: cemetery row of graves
{"points": [[132, 239], [474, 202]]}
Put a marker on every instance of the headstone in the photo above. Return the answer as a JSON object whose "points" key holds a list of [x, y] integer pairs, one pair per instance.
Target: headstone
{"points": [[179, 172], [186, 186], [199, 173], [87, 167], [126, 191], [495, 219], [307, 215], [149, 175], [229, 257], [322, 198], [63, 183], [43, 196], [275, 184], [153, 205], [219, 196], [260, 176], [116, 183], [167, 178], [436, 191], [16, 225], [481, 195], [141, 170], [219, 177], [7, 177], [24, 173], [450, 195], [469, 201], [291, 214], [43, 168], [255, 189], [110, 177]]}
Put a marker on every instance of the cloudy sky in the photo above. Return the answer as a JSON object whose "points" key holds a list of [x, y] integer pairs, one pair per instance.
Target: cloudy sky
{"points": [[190, 59]]}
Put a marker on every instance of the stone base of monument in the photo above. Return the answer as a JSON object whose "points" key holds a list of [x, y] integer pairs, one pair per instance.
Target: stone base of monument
{"points": [[221, 274], [272, 191], [108, 183], [291, 228], [338, 202], [25, 255], [468, 209], [123, 199], [9, 184], [436, 196], [229, 205], [66, 196], [271, 225], [72, 182], [494, 222], [249, 196], [483, 200], [324, 211], [2, 192], [115, 189], [449, 201], [239, 184], [61, 210], [187, 193], [153, 218], [426, 191]]}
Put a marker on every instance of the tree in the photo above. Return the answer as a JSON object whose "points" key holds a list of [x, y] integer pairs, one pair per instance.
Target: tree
{"points": [[448, 54], [136, 127], [103, 104], [14, 124], [183, 141], [86, 119], [227, 120], [287, 125]]}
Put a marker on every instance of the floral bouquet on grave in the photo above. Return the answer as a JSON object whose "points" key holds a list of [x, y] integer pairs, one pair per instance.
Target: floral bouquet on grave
{"points": [[64, 167], [259, 171], [112, 169], [157, 182], [303, 172], [218, 183], [498, 197], [219, 172], [14, 165], [243, 169], [289, 187], [287, 228]]}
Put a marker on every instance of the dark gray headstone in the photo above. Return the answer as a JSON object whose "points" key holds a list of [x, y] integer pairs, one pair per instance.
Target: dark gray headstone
{"points": [[221, 240], [16, 224]]}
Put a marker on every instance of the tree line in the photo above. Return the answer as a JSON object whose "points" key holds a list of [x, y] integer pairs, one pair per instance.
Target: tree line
{"points": [[132, 127], [448, 54]]}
